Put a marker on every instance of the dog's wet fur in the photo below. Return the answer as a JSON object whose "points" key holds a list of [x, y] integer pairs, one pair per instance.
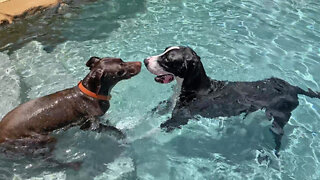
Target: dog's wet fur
{"points": [[27, 128], [200, 95]]}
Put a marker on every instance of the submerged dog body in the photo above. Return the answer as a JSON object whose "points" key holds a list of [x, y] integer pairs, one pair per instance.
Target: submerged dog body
{"points": [[211, 98], [43, 115], [34, 120]]}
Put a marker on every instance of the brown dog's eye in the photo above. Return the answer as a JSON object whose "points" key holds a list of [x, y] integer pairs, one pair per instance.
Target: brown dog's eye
{"points": [[121, 73]]}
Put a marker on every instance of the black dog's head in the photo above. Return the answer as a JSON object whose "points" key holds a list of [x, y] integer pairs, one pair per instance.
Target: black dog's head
{"points": [[175, 61], [109, 71]]}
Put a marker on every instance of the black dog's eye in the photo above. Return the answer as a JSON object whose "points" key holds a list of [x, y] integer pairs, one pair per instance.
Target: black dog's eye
{"points": [[171, 56], [121, 73], [168, 58]]}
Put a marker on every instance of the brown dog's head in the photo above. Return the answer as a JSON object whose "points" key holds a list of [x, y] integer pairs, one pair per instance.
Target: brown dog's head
{"points": [[106, 72]]}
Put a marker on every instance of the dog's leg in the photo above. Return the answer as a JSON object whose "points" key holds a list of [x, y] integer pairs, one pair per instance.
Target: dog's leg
{"points": [[73, 165], [112, 130], [172, 124], [49, 142], [93, 124], [277, 129], [179, 117], [38, 146], [277, 139], [31, 146], [85, 126]]}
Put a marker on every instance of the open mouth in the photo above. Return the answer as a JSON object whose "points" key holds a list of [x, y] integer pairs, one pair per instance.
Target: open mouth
{"points": [[164, 79]]}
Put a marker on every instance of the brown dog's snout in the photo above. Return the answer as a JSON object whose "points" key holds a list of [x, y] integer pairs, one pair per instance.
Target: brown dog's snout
{"points": [[136, 65], [134, 68]]}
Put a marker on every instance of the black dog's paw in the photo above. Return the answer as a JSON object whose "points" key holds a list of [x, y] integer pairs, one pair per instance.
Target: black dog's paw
{"points": [[277, 139], [119, 134], [169, 126]]}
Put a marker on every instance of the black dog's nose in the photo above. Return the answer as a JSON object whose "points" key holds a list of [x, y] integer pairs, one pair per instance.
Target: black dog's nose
{"points": [[146, 62]]}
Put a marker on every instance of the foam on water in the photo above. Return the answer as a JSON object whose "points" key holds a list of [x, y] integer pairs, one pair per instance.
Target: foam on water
{"points": [[121, 168], [236, 40]]}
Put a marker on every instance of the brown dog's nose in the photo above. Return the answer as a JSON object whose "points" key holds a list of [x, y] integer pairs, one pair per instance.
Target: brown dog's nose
{"points": [[134, 67], [146, 62], [138, 64]]}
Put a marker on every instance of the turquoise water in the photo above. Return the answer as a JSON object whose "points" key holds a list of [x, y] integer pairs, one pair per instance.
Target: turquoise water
{"points": [[237, 41]]}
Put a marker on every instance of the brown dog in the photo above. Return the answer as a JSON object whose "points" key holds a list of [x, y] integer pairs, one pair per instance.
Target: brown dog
{"points": [[31, 122]]}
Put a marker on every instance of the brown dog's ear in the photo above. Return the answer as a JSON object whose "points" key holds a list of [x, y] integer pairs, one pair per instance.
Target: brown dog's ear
{"points": [[92, 61], [95, 80]]}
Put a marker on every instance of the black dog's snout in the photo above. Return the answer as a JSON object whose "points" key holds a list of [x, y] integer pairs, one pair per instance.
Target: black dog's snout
{"points": [[146, 62]]}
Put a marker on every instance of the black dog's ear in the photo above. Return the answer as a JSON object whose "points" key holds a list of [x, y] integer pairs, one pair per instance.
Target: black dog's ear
{"points": [[190, 58], [190, 54], [92, 61]]}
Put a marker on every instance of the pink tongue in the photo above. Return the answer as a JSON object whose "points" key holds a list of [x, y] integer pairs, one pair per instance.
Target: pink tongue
{"points": [[164, 78]]}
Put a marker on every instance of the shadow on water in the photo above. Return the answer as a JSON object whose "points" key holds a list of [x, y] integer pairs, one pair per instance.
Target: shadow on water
{"points": [[239, 141], [235, 139], [73, 22], [91, 149]]}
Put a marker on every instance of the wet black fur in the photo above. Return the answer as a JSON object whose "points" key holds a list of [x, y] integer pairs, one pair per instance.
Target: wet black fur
{"points": [[212, 98]]}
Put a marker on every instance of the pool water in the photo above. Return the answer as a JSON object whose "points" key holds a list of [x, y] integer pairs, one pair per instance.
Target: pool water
{"points": [[236, 40]]}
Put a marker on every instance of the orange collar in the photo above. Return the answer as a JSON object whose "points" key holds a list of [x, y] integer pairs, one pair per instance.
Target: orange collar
{"points": [[92, 94]]}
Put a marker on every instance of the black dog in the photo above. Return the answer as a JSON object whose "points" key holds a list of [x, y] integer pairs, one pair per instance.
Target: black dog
{"points": [[212, 98]]}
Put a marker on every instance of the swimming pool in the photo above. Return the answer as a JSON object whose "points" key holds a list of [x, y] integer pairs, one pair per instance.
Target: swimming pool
{"points": [[236, 40]]}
